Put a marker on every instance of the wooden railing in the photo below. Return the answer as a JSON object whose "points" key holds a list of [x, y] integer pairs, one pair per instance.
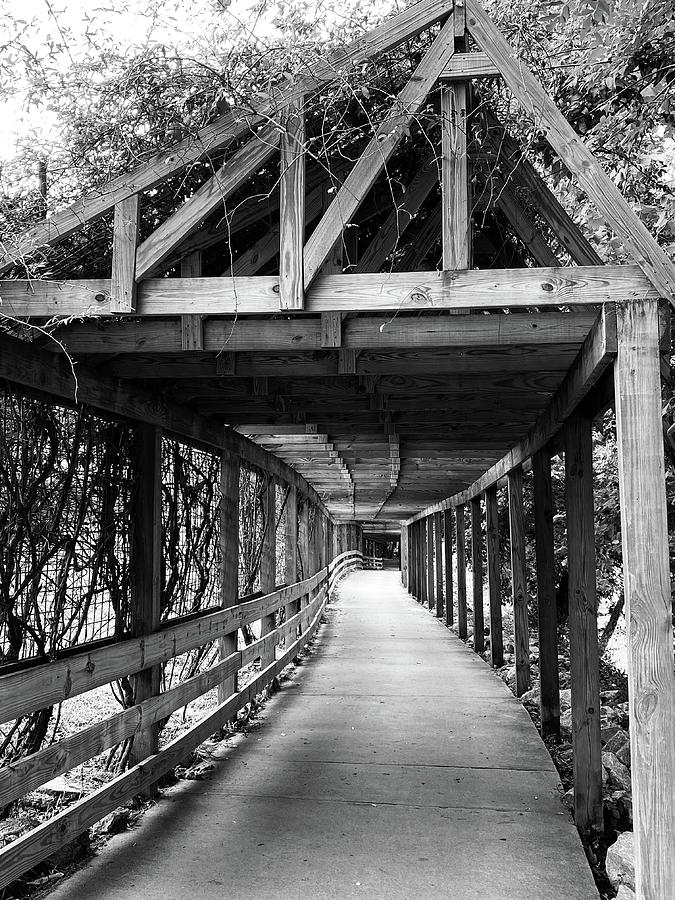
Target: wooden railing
{"points": [[25, 691]]}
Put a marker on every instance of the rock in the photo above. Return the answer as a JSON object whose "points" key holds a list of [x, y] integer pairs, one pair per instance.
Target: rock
{"points": [[608, 732], [609, 696], [566, 719], [531, 696], [115, 822], [625, 893], [568, 800], [619, 745], [620, 861], [565, 757], [509, 647], [565, 698], [13, 828], [59, 787], [72, 853], [618, 773], [200, 771]]}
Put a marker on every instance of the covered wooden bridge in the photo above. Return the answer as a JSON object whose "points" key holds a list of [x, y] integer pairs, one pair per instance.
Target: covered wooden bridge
{"points": [[383, 334]]}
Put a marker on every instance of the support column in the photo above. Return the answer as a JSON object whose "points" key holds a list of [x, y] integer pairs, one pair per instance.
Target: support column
{"points": [[146, 570], [494, 576], [477, 565], [549, 686], [644, 532], [431, 576], [521, 626], [404, 556], [438, 543], [229, 557], [461, 571], [449, 592], [268, 560], [583, 620]]}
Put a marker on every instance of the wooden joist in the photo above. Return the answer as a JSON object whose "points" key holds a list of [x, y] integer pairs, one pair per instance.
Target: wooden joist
{"points": [[464, 66], [292, 210]]}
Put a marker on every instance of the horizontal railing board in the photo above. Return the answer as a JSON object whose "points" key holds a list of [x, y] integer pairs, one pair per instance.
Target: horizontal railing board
{"points": [[51, 683]]}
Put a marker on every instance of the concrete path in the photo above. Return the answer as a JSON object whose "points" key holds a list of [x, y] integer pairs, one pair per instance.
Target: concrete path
{"points": [[394, 764]]}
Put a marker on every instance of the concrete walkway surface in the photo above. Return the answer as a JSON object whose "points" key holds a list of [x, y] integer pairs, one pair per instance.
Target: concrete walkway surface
{"points": [[394, 764]]}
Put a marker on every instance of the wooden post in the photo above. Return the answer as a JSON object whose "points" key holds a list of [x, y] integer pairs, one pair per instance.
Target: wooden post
{"points": [[521, 625], [404, 555], [461, 571], [291, 548], [477, 566], [229, 556], [583, 621], [192, 326], [644, 532], [416, 570], [303, 539], [449, 592], [438, 543], [494, 576], [549, 686], [455, 177], [431, 574], [292, 209], [125, 240], [146, 569]]}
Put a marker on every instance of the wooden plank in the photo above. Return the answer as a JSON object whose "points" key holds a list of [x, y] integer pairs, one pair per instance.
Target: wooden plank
{"points": [[583, 625], [230, 470], [431, 571], [519, 595], [371, 163], [292, 210], [494, 577], [146, 569], [644, 534], [460, 537], [291, 540], [455, 178], [389, 34], [405, 561], [573, 152], [477, 573], [549, 686], [23, 364], [597, 353], [268, 559], [438, 544], [449, 587], [331, 329], [390, 232], [464, 66], [192, 331], [126, 224]]}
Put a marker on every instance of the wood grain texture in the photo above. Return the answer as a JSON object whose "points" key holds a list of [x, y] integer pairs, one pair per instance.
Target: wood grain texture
{"points": [[292, 210], [455, 223], [430, 563], [494, 576], [519, 596], [464, 66], [126, 223], [583, 625], [449, 579], [268, 560], [460, 537], [192, 327], [230, 469], [549, 686], [572, 151], [644, 534], [524, 228], [438, 560], [373, 160], [477, 573]]}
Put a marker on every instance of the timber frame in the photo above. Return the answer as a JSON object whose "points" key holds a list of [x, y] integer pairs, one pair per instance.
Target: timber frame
{"points": [[394, 382]]}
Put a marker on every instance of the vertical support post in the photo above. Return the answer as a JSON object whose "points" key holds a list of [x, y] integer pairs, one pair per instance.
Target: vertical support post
{"points": [[303, 539], [146, 569], [494, 576], [423, 562], [549, 685], [449, 592], [431, 577], [644, 532], [291, 548], [455, 177], [521, 625], [126, 222], [583, 619], [477, 565], [404, 556], [229, 556], [292, 210], [461, 570], [438, 543], [192, 331]]}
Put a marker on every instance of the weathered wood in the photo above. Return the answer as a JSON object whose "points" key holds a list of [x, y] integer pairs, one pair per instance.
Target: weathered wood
{"points": [[494, 576], [375, 157], [192, 330], [455, 178], [430, 570], [464, 66], [404, 551], [460, 537], [331, 329], [477, 573], [146, 568], [644, 534], [449, 581], [268, 557], [549, 686], [583, 625], [125, 239], [438, 543], [292, 210], [521, 627], [291, 539], [572, 151], [230, 469], [524, 228]]}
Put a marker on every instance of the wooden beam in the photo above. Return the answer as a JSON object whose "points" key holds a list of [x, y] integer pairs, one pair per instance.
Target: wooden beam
{"points": [[460, 537], [494, 577], [521, 626], [292, 210], [126, 224], [583, 625], [549, 686], [597, 353], [192, 330], [331, 329], [477, 573], [464, 66], [438, 543], [644, 535], [523, 228], [573, 152], [375, 157], [455, 216], [449, 588]]}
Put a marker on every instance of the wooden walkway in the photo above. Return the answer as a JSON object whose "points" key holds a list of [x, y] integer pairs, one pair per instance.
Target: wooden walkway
{"points": [[394, 764]]}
